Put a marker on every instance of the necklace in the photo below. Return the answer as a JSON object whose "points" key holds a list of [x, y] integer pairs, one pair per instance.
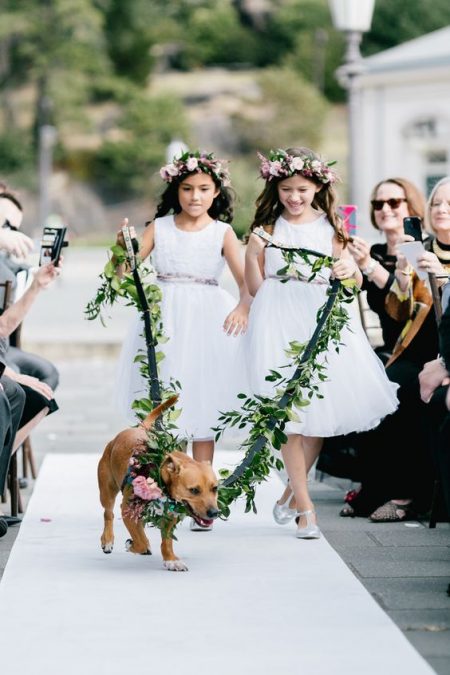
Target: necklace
{"points": [[442, 251]]}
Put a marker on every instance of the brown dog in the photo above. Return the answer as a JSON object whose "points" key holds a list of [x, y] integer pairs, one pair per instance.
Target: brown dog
{"points": [[188, 481]]}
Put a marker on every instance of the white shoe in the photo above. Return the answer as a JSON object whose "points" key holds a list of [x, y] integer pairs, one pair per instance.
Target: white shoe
{"points": [[311, 529], [282, 513], [197, 527]]}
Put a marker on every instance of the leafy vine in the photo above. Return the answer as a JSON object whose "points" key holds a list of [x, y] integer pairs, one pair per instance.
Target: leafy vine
{"points": [[265, 417]]}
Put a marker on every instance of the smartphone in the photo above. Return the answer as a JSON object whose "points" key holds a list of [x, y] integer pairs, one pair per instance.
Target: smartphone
{"points": [[51, 244], [413, 227], [348, 215]]}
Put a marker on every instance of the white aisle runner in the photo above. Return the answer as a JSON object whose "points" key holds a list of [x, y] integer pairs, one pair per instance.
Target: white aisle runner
{"points": [[256, 601]]}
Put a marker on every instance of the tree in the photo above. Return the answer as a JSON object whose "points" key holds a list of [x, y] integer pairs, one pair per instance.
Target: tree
{"points": [[58, 46], [289, 112]]}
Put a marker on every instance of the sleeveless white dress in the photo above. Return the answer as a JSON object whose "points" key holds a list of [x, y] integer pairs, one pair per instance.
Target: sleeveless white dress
{"points": [[206, 361], [357, 393]]}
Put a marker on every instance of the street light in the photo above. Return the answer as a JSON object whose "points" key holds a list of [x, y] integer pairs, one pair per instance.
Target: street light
{"points": [[352, 17]]}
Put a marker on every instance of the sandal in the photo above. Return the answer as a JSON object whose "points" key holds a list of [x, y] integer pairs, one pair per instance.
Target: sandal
{"points": [[357, 505], [392, 513], [347, 511]]}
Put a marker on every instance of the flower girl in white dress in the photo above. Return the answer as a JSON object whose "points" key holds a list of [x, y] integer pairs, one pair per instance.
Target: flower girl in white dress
{"points": [[190, 241], [297, 206]]}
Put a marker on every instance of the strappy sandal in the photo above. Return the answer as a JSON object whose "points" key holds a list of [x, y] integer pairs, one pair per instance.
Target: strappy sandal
{"points": [[347, 511], [311, 529], [392, 513]]}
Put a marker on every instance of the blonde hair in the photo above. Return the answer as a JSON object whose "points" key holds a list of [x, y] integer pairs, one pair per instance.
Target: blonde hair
{"points": [[439, 184]]}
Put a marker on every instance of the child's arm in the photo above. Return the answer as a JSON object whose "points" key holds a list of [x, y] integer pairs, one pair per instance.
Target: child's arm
{"points": [[254, 263], [236, 321]]}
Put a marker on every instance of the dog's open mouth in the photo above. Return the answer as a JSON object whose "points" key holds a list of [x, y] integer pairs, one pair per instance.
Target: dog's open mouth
{"points": [[203, 522]]}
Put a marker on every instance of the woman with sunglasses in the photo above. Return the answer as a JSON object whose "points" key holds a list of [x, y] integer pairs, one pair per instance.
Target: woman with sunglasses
{"points": [[392, 200], [396, 476]]}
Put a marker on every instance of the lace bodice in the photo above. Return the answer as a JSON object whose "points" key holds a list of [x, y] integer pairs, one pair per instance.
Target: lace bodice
{"points": [[316, 235], [196, 254]]}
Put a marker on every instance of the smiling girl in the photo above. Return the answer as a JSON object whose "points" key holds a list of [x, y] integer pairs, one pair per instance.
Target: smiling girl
{"points": [[297, 206]]}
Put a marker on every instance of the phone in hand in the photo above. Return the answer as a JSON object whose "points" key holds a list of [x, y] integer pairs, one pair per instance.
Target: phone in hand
{"points": [[348, 215], [51, 244], [413, 227]]}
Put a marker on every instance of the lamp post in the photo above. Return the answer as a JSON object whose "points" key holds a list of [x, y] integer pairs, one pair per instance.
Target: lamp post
{"points": [[353, 18]]}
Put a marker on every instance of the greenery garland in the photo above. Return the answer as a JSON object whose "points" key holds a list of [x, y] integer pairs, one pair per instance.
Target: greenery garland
{"points": [[261, 414], [146, 461]]}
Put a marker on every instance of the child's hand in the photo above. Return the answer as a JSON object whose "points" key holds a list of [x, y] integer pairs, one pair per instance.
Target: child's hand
{"points": [[119, 238], [255, 245], [344, 268], [236, 321]]}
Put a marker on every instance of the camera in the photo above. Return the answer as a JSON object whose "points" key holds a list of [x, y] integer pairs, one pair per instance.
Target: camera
{"points": [[51, 244]]}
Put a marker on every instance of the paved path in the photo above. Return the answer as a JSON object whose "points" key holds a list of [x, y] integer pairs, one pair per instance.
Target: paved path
{"points": [[256, 600]]}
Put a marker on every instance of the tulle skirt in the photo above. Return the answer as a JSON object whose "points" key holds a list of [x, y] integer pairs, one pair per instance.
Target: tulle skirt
{"points": [[357, 393], [208, 364]]}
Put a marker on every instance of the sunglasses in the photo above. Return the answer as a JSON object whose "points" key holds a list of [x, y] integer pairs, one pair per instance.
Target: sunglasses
{"points": [[377, 204]]}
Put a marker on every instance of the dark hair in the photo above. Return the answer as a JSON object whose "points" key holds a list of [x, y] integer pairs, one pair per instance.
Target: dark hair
{"points": [[414, 198], [7, 193], [269, 207], [220, 209]]}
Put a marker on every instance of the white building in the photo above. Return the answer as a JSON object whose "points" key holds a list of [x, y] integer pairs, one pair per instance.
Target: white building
{"points": [[403, 120]]}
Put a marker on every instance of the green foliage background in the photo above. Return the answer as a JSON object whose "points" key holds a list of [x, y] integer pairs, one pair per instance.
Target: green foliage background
{"points": [[73, 56]]}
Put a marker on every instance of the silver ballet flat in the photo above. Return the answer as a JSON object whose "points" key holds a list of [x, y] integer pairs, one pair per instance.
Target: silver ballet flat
{"points": [[311, 529], [282, 513]]}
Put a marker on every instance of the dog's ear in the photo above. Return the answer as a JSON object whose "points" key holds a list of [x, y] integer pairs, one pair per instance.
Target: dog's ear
{"points": [[169, 468]]}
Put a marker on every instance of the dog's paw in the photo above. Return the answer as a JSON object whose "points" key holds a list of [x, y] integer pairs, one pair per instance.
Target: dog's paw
{"points": [[129, 548], [175, 566], [107, 548]]}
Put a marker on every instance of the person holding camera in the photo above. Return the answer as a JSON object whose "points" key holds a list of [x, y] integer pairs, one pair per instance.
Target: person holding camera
{"points": [[15, 243], [396, 477]]}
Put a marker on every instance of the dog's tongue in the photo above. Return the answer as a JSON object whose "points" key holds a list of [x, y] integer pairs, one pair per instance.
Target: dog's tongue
{"points": [[204, 522]]}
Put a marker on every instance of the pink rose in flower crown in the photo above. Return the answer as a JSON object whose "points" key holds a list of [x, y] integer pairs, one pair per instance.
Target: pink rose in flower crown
{"points": [[274, 168], [192, 164], [146, 488], [296, 163]]}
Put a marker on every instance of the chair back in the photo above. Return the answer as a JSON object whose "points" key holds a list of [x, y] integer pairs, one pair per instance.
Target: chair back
{"points": [[5, 295]]}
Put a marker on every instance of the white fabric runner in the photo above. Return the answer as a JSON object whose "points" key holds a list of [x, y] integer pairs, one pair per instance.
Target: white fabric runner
{"points": [[256, 601]]}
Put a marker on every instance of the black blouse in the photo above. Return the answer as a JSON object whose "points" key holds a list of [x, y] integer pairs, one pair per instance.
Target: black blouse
{"points": [[424, 345]]}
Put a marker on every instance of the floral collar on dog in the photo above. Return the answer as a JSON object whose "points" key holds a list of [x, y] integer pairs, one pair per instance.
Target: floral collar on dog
{"points": [[149, 502]]}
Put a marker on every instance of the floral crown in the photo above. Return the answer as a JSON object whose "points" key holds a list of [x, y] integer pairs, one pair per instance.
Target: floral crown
{"points": [[196, 162], [280, 164]]}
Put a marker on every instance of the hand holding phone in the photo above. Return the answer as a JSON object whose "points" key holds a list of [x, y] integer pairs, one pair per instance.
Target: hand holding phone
{"points": [[413, 226], [51, 244], [348, 215]]}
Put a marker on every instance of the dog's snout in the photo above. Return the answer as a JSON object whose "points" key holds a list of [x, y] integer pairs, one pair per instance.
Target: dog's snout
{"points": [[212, 513]]}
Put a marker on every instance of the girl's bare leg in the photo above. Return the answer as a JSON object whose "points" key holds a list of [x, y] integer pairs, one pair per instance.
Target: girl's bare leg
{"points": [[299, 454], [311, 449], [203, 451]]}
